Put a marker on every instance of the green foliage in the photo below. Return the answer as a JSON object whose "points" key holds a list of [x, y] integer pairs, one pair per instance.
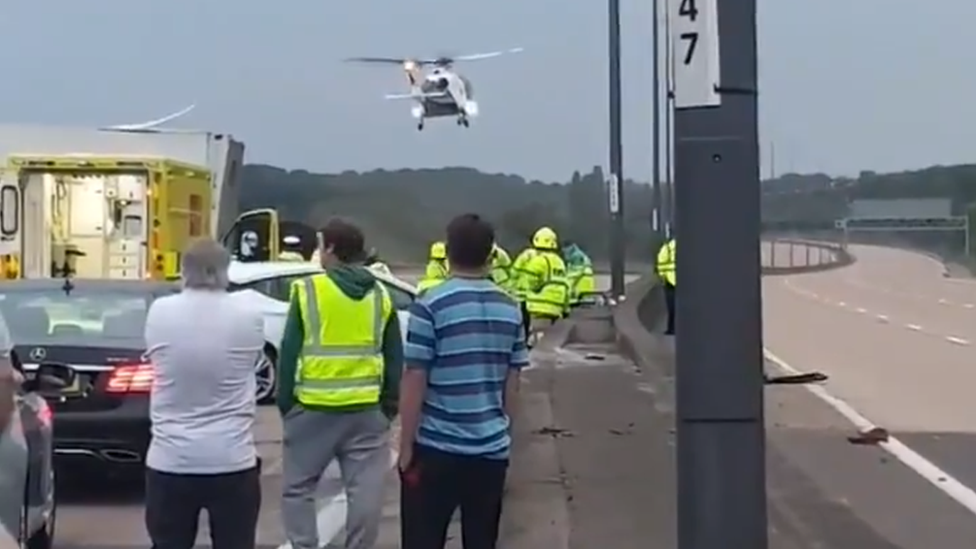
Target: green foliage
{"points": [[818, 197], [403, 211], [817, 200]]}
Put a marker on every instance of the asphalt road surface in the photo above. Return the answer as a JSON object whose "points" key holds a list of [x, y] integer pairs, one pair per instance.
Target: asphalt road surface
{"points": [[95, 513], [897, 339]]}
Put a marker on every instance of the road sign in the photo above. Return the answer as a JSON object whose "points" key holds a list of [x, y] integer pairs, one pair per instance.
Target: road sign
{"points": [[694, 53], [613, 189]]}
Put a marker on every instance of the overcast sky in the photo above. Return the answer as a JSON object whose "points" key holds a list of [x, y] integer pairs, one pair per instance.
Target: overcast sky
{"points": [[845, 85]]}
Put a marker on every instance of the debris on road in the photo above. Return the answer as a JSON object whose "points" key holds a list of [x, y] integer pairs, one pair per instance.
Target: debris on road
{"points": [[875, 435], [554, 432]]}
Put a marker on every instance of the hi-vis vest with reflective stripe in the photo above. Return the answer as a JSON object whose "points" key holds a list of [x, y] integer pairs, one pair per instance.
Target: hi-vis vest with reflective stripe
{"points": [[665, 262], [342, 355]]}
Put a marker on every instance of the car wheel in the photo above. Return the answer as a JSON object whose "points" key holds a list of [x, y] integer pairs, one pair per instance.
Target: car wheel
{"points": [[267, 376]]}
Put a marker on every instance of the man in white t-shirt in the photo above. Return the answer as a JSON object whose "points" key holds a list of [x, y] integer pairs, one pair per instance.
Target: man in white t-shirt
{"points": [[13, 447], [204, 346]]}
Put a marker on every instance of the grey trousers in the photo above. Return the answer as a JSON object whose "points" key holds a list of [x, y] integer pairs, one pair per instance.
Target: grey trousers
{"points": [[359, 441]]}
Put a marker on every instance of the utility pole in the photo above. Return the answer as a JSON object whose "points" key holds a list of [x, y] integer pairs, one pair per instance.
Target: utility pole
{"points": [[616, 180], [668, 125], [721, 501], [658, 217]]}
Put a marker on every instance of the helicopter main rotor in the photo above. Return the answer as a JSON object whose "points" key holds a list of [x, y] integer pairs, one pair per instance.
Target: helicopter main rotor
{"points": [[409, 63]]}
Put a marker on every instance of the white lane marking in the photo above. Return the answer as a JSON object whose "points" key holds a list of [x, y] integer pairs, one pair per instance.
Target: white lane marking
{"points": [[882, 318], [942, 480], [968, 305], [957, 340], [862, 311], [331, 518], [841, 304], [914, 327], [943, 302]]}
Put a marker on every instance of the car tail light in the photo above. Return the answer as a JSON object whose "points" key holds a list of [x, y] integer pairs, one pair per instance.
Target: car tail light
{"points": [[130, 378]]}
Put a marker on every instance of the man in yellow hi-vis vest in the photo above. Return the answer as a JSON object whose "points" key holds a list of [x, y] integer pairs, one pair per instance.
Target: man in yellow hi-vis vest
{"points": [[437, 270], [339, 369], [666, 272]]}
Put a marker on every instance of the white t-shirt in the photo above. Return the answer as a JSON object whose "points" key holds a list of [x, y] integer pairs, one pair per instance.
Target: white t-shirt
{"points": [[204, 347]]}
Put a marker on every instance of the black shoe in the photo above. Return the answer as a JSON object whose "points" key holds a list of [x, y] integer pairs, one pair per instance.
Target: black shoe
{"points": [[669, 332]]}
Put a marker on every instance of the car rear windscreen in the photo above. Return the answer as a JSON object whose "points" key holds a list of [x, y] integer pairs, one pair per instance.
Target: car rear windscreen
{"points": [[81, 317]]}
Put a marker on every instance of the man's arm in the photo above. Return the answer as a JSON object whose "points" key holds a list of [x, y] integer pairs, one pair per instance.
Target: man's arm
{"points": [[392, 367], [418, 355], [288, 354], [518, 361]]}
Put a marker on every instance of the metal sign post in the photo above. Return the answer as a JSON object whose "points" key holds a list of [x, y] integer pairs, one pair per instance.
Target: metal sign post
{"points": [[656, 218], [720, 431], [617, 247]]}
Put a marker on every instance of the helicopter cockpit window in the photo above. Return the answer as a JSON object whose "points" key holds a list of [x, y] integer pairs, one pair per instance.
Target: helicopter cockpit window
{"points": [[467, 86]]}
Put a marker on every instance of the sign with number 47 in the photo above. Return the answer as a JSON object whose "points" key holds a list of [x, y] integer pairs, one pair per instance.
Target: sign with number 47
{"points": [[694, 53]]}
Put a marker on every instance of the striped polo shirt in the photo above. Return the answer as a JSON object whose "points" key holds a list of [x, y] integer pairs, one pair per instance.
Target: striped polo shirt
{"points": [[467, 334]]}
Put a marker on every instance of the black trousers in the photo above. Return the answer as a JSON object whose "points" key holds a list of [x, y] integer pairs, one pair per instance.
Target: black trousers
{"points": [[174, 502], [526, 321], [670, 297], [438, 483]]}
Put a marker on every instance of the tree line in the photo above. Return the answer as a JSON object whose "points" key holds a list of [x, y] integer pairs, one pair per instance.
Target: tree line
{"points": [[817, 200], [403, 211]]}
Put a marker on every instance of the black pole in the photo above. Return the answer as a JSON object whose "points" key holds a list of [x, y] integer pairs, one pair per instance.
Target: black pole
{"points": [[721, 455], [615, 183], [668, 191], [657, 214]]}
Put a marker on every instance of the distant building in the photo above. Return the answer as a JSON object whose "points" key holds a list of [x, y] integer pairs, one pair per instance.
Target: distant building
{"points": [[901, 208]]}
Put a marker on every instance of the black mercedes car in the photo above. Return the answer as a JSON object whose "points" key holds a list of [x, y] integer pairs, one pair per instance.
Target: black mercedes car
{"points": [[96, 327]]}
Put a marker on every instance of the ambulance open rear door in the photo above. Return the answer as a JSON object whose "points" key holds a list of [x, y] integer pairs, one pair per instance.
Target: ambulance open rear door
{"points": [[255, 236], [10, 221]]}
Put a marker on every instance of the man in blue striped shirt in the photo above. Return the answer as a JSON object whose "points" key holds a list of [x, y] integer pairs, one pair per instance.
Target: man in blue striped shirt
{"points": [[465, 349]]}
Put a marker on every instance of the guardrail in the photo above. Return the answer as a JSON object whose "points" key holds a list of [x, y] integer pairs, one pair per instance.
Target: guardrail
{"points": [[794, 255], [637, 317], [780, 255]]}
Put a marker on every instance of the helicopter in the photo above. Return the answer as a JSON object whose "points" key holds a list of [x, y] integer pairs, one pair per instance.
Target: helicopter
{"points": [[436, 87]]}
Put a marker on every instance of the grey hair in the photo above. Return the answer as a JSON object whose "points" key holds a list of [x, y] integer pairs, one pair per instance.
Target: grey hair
{"points": [[205, 264]]}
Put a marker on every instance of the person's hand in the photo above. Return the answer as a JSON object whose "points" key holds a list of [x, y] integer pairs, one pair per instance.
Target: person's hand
{"points": [[405, 459], [10, 381]]}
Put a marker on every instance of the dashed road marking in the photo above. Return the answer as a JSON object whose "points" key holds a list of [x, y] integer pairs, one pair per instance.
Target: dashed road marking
{"points": [[957, 340], [968, 305], [942, 480], [944, 302], [882, 318], [841, 304], [861, 310], [914, 327]]}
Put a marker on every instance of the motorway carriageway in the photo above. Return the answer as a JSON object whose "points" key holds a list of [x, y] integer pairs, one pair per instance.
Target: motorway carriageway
{"points": [[898, 342]]}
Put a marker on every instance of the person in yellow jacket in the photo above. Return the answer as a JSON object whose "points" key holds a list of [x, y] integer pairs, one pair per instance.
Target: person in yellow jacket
{"points": [[579, 273], [340, 364], [541, 278], [665, 269], [501, 264], [437, 270]]}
